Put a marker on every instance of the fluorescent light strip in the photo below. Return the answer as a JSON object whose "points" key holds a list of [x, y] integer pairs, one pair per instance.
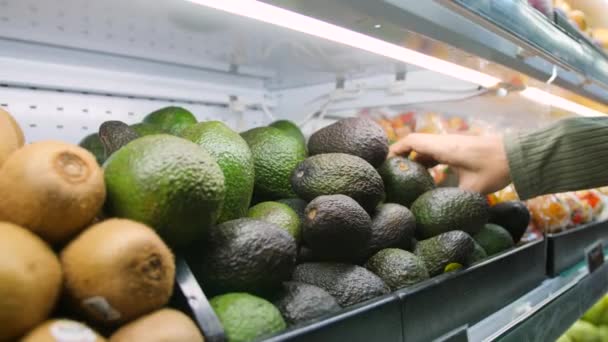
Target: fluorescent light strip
{"points": [[545, 98], [301, 23]]}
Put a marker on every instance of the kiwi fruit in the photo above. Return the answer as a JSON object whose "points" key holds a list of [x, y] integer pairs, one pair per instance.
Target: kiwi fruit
{"points": [[57, 330], [11, 135], [165, 325], [30, 281], [52, 188], [116, 271]]}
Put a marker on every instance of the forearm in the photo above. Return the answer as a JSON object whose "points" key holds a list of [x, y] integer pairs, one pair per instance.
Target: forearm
{"points": [[570, 155]]}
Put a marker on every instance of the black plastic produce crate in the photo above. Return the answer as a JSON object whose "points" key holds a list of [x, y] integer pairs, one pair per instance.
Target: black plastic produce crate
{"points": [[452, 300], [567, 248]]}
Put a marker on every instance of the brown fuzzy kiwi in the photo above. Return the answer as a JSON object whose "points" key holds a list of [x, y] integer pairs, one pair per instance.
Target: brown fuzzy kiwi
{"points": [[165, 325], [116, 271], [52, 188], [30, 280], [56, 330], [11, 135]]}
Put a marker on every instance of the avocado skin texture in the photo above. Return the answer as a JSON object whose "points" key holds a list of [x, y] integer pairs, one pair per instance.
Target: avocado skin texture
{"points": [[444, 209], [397, 268], [297, 204], [513, 216], [93, 144], [290, 129], [441, 250], [336, 225], [404, 180], [478, 254], [172, 119], [244, 255], [234, 158], [392, 225], [275, 156], [494, 239], [360, 137], [279, 214], [338, 173], [349, 284], [300, 302], [143, 129]]}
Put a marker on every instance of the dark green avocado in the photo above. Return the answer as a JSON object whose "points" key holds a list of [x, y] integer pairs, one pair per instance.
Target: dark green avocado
{"points": [[93, 144], [290, 129], [445, 209], [338, 173], [513, 216], [336, 226], [477, 255], [444, 249], [244, 255], [392, 224], [114, 135], [397, 268], [349, 284], [493, 239], [404, 180], [300, 302], [360, 137], [296, 204]]}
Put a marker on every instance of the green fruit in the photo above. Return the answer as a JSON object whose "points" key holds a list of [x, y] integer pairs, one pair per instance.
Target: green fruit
{"points": [[246, 317], [168, 183], [143, 129], [564, 338], [298, 205], [275, 156], [336, 226], [493, 239], [114, 135], [93, 144], [397, 268], [512, 216], [279, 214], [444, 249], [404, 180], [349, 284], [338, 173], [172, 120], [603, 330], [595, 314], [244, 255], [478, 254], [360, 137], [445, 209], [392, 224], [234, 158], [290, 129], [299, 302], [582, 331]]}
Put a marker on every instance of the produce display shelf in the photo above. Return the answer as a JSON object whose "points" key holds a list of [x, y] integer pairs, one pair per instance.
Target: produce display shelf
{"points": [[567, 248]]}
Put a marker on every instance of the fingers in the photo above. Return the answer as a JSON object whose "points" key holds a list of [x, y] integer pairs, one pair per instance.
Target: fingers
{"points": [[428, 147]]}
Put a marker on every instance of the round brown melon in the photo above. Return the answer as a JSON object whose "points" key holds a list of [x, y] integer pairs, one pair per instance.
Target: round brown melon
{"points": [[52, 188], [117, 271], [11, 135], [59, 330], [30, 281], [165, 325]]}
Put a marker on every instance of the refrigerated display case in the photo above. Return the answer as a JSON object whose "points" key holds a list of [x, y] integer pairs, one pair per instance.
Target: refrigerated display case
{"points": [[67, 66]]}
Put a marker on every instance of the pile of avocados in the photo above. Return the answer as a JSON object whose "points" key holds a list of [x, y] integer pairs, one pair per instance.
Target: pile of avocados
{"points": [[279, 230]]}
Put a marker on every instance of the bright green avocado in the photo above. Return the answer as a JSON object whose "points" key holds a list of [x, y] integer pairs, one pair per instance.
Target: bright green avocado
{"points": [[172, 120]]}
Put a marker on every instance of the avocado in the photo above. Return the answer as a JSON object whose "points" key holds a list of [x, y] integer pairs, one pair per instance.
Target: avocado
{"points": [[392, 224], [444, 249], [275, 156], [143, 129], [244, 255], [290, 129], [349, 284], [246, 317], [493, 239], [298, 205], [168, 183], [404, 180], [444, 209], [114, 135], [513, 216], [280, 214], [397, 268], [299, 302], [93, 144], [360, 137], [172, 120], [338, 173], [306, 254], [336, 226], [478, 254], [233, 156]]}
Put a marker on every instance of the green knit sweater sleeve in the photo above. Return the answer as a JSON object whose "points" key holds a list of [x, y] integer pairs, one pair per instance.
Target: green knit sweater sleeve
{"points": [[569, 155]]}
